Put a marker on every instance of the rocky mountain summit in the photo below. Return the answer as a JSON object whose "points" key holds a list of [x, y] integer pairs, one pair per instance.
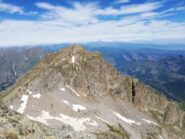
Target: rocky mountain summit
{"points": [[77, 90]]}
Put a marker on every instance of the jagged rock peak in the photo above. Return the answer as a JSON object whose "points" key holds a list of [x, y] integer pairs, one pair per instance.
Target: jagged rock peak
{"points": [[71, 54]]}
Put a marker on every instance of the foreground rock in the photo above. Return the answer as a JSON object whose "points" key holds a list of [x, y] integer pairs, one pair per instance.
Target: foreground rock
{"points": [[15, 126], [77, 89]]}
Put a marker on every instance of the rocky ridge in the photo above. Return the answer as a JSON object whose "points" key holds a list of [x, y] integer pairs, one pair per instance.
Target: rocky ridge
{"points": [[76, 88]]}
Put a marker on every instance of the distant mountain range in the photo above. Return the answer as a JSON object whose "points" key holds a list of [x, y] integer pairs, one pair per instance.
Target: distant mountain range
{"points": [[15, 62]]}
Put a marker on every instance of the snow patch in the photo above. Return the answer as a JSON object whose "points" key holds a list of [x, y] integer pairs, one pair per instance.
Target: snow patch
{"points": [[129, 121], [91, 122], [13, 67], [62, 89], [11, 107], [29, 92], [66, 102], [78, 124], [161, 137], [149, 122], [36, 96], [42, 118], [73, 90], [73, 59], [23, 105], [99, 118], [77, 107]]}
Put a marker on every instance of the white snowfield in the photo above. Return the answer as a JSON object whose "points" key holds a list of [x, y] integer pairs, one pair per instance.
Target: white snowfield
{"points": [[77, 107], [39, 118], [73, 59], [76, 93], [36, 96], [78, 124], [149, 122], [23, 104], [62, 89], [24, 100], [126, 120]]}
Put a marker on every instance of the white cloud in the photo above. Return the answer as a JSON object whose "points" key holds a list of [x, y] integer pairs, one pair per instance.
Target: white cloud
{"points": [[122, 1], [88, 13], [81, 23], [80, 13], [9, 8], [140, 8], [131, 9], [180, 8], [14, 9], [27, 32], [45, 6]]}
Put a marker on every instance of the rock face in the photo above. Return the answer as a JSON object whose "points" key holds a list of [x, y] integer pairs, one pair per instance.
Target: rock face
{"points": [[161, 69], [15, 126], [79, 89]]}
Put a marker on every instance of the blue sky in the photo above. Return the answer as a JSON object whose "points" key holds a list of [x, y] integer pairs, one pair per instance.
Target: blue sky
{"points": [[32, 22]]}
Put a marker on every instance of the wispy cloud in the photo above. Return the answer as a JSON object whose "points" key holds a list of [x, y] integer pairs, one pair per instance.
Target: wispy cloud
{"points": [[131, 9], [89, 12], [14, 9], [84, 22], [79, 13], [122, 1], [9, 8]]}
